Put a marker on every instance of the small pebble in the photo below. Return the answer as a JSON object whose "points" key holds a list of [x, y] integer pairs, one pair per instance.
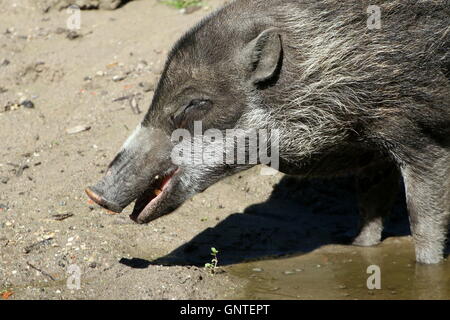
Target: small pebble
{"points": [[78, 129], [27, 104], [71, 35], [190, 9], [118, 78], [147, 86]]}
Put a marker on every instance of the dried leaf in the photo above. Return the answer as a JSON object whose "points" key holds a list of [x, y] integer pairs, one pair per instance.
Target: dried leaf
{"points": [[7, 294]]}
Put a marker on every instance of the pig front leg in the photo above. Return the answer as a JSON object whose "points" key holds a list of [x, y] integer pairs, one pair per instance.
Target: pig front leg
{"points": [[428, 200], [377, 188]]}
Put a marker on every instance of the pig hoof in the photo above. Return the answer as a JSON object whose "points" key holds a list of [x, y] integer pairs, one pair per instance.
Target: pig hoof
{"points": [[370, 233], [428, 255], [429, 260], [366, 241]]}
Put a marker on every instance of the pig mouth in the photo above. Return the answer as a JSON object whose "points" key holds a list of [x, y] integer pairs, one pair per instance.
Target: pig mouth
{"points": [[148, 205]]}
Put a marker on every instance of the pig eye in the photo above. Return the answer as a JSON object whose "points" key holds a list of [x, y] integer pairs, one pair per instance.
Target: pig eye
{"points": [[197, 103], [194, 110]]}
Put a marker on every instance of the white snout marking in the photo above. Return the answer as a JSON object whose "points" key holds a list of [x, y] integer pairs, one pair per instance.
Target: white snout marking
{"points": [[131, 141]]}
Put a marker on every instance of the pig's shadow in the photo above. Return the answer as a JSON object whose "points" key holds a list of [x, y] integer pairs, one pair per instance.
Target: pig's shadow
{"points": [[298, 217]]}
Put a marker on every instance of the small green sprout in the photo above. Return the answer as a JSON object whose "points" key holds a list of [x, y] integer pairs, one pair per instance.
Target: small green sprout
{"points": [[212, 266]]}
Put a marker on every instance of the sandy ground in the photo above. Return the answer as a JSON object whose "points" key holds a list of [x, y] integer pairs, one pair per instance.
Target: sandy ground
{"points": [[44, 170], [95, 78]]}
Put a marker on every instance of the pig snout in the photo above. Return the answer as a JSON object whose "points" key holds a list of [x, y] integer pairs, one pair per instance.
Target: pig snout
{"points": [[133, 170], [101, 194], [112, 192], [99, 199]]}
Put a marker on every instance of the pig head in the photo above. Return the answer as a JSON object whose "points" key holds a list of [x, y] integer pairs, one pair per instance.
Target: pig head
{"points": [[206, 80]]}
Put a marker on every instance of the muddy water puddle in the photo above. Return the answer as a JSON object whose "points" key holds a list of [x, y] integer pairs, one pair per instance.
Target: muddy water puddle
{"points": [[340, 272]]}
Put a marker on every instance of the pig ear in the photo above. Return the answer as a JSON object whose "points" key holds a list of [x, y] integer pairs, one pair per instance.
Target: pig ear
{"points": [[263, 55]]}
